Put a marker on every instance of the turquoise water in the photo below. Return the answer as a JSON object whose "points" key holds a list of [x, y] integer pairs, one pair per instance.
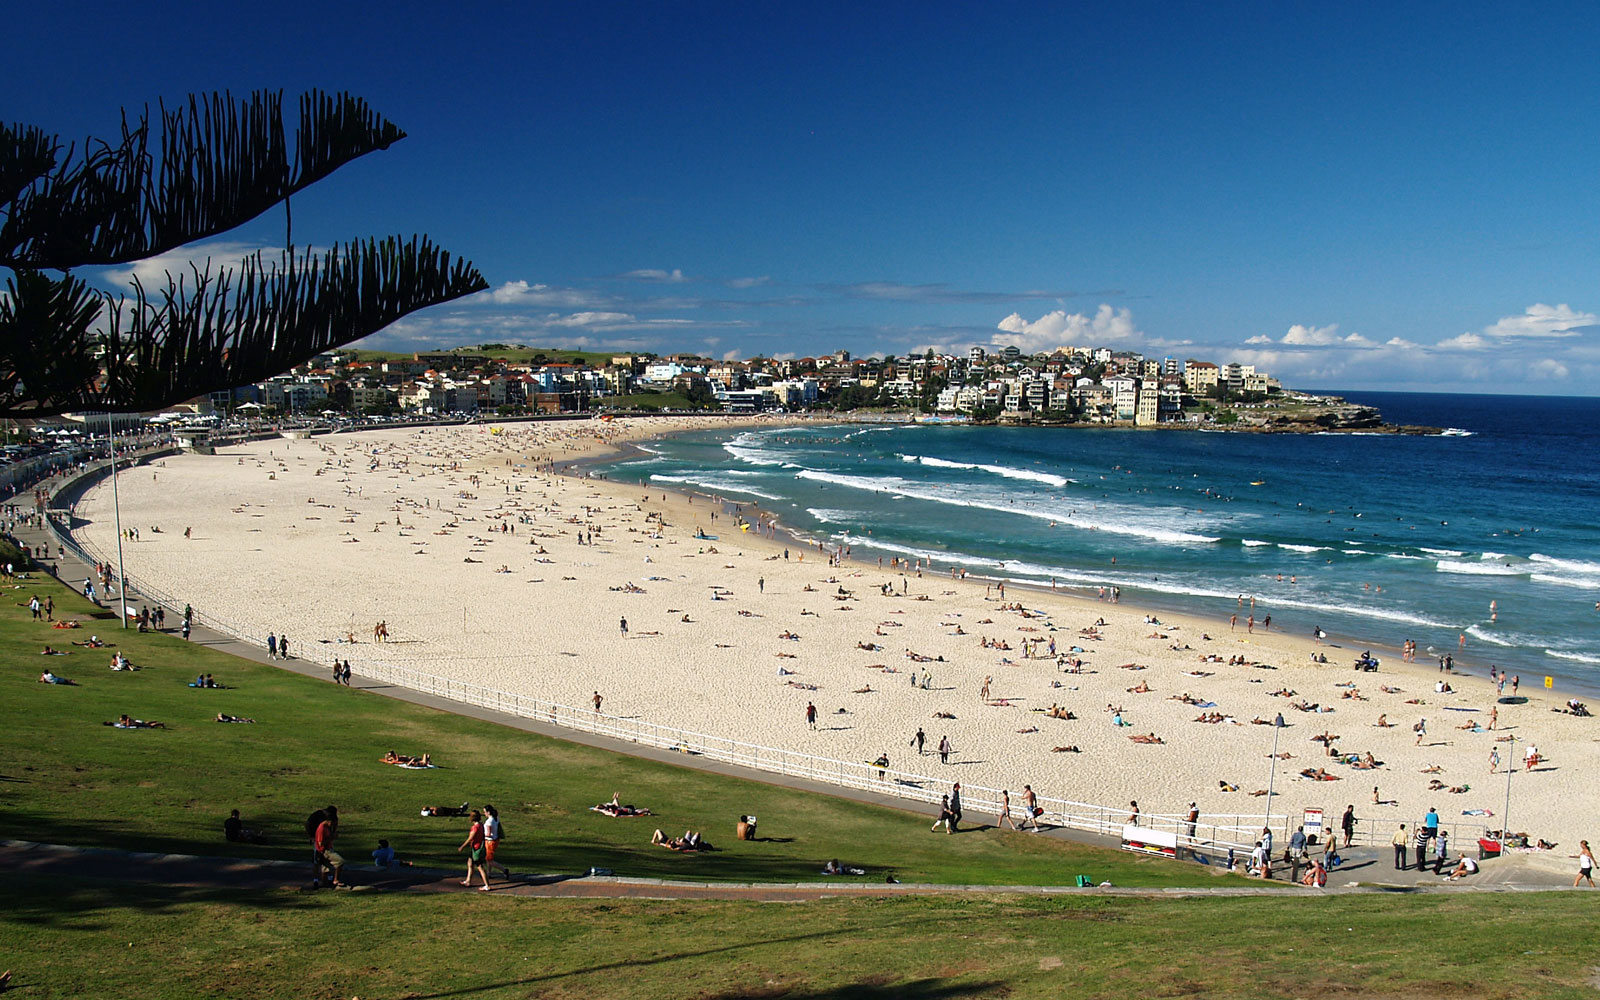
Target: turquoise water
{"points": [[1488, 531]]}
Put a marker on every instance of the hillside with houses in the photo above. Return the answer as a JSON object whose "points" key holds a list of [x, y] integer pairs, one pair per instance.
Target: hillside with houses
{"points": [[1068, 386]]}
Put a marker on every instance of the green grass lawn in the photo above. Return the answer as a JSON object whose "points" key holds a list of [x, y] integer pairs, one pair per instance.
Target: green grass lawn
{"points": [[65, 778], [78, 940]]}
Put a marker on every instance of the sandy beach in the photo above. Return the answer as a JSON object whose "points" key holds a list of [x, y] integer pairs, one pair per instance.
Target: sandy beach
{"points": [[488, 567]]}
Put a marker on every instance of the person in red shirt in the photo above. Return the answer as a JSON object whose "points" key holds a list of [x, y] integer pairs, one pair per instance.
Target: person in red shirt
{"points": [[477, 853], [324, 857]]}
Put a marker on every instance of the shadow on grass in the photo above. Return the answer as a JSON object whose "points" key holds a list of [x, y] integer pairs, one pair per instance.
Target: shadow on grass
{"points": [[918, 989], [75, 905], [924, 989]]}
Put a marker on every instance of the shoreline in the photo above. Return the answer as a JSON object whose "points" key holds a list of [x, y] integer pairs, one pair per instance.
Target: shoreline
{"points": [[1388, 650], [672, 671]]}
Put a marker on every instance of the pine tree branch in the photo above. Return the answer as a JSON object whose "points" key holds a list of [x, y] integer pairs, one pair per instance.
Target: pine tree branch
{"points": [[215, 165], [216, 329]]}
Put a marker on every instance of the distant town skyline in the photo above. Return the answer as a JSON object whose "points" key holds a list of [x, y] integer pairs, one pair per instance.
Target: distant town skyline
{"points": [[1397, 199]]}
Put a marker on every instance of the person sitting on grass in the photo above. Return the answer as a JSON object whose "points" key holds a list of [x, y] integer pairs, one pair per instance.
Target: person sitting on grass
{"points": [[385, 859], [461, 810], [234, 831]]}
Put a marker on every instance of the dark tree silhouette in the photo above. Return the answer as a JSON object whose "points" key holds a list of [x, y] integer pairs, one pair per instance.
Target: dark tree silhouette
{"points": [[203, 169]]}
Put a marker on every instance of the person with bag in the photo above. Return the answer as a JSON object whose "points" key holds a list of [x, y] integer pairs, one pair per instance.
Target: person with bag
{"points": [[476, 852]]}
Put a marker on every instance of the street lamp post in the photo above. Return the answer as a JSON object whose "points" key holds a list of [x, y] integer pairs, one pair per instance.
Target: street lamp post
{"points": [[1272, 773], [1511, 767], [116, 507]]}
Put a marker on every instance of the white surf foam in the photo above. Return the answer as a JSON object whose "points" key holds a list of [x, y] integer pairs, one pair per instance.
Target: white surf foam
{"points": [[1446, 553], [1048, 478], [1583, 567], [1251, 543], [1568, 654], [1478, 568], [715, 485], [1487, 636], [901, 487], [1302, 548]]}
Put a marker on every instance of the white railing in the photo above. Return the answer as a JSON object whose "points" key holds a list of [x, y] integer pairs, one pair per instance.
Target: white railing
{"points": [[1212, 834]]}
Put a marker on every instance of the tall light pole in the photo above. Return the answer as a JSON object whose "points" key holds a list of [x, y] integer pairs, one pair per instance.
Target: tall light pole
{"points": [[1272, 774], [1505, 814], [116, 507]]}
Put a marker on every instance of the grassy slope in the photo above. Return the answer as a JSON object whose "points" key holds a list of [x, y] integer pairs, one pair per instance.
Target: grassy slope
{"points": [[157, 942], [71, 780]]}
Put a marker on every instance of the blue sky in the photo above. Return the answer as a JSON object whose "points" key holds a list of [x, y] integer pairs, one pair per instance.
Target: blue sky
{"points": [[1350, 196]]}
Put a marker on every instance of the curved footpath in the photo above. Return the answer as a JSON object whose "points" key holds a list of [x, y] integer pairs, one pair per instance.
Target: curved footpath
{"points": [[1514, 873], [188, 870]]}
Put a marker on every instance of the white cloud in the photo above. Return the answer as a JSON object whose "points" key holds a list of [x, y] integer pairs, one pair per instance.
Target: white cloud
{"points": [[605, 319], [732, 355], [1260, 338], [674, 276], [1463, 342], [1540, 320], [152, 271], [748, 282], [1313, 336], [1061, 328], [1547, 368]]}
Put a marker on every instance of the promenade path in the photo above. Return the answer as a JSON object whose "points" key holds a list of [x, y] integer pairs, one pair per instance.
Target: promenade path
{"points": [[1370, 866]]}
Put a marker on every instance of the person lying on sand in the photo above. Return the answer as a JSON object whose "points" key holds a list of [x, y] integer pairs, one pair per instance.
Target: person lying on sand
{"points": [[1147, 738], [1071, 749]]}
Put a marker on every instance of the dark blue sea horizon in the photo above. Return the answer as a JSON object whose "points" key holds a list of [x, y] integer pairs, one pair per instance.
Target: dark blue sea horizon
{"points": [[1487, 531]]}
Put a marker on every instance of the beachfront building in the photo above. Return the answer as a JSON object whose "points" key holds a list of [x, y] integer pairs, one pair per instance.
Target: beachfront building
{"points": [[1199, 377]]}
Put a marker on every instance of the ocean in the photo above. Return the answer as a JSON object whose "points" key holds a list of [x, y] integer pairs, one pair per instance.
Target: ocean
{"points": [[1488, 531]]}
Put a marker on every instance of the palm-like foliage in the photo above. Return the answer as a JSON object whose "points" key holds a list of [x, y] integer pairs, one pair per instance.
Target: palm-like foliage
{"points": [[204, 169]]}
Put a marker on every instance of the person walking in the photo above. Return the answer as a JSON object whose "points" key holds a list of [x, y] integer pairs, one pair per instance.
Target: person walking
{"points": [[1441, 850], [1421, 729], [1347, 823], [955, 805], [1031, 807], [918, 740], [597, 701], [476, 852], [1494, 759], [624, 628], [272, 645], [944, 749], [945, 816], [1133, 815], [345, 673], [493, 833], [1401, 841], [283, 647], [811, 715], [1005, 811], [1419, 844], [1585, 865], [325, 827]]}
